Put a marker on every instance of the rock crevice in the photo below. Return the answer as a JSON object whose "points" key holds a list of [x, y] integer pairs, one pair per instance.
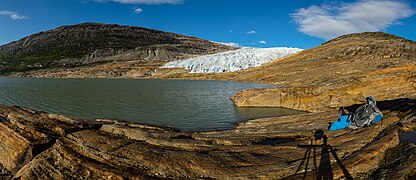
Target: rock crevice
{"points": [[256, 149]]}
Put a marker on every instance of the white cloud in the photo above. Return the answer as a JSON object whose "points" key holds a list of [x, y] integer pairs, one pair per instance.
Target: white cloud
{"points": [[262, 42], [329, 21], [13, 15], [138, 10], [144, 1], [251, 32], [228, 43]]}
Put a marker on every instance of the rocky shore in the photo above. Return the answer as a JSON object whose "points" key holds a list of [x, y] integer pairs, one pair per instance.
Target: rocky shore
{"points": [[37, 145]]}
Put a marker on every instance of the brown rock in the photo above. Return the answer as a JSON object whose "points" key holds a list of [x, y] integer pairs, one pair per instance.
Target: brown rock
{"points": [[339, 72], [257, 149], [26, 133]]}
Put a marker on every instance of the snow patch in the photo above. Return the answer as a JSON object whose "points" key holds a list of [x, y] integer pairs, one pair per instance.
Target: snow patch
{"points": [[231, 61]]}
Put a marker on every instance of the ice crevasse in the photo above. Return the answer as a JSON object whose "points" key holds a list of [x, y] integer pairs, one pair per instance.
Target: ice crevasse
{"points": [[231, 61]]}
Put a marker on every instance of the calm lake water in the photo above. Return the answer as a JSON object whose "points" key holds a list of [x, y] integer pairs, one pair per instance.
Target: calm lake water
{"points": [[182, 104]]}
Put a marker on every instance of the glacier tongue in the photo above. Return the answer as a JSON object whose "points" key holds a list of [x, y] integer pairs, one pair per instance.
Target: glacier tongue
{"points": [[232, 60]]}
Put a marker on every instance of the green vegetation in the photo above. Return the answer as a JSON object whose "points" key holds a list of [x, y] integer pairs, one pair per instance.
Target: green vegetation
{"points": [[70, 45]]}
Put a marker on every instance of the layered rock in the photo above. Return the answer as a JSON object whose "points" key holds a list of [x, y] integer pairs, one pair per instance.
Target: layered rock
{"points": [[335, 95], [45, 146], [26, 133]]}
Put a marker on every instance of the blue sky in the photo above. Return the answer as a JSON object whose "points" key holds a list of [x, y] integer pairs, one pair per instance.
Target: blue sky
{"points": [[258, 23]]}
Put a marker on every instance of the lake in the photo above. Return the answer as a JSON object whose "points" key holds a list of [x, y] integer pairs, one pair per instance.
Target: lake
{"points": [[183, 104]]}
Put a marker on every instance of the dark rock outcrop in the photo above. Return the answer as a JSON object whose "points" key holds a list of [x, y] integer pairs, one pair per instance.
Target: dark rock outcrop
{"points": [[398, 163]]}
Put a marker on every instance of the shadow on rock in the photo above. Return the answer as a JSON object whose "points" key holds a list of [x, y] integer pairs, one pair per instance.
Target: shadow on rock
{"points": [[401, 105], [324, 170]]}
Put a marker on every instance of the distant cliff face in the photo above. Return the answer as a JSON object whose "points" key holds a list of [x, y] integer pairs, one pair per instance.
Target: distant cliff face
{"points": [[94, 43]]}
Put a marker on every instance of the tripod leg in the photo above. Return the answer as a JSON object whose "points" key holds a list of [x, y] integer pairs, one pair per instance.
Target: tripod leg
{"points": [[344, 170], [303, 160], [314, 161], [307, 163]]}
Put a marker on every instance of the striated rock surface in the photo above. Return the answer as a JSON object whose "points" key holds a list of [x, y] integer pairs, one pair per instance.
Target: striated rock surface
{"points": [[25, 133], [46, 146]]}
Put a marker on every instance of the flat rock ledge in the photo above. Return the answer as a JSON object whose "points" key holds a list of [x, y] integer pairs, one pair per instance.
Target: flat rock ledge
{"points": [[38, 145]]}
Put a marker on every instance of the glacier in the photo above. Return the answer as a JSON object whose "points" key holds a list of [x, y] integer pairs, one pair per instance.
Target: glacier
{"points": [[231, 61]]}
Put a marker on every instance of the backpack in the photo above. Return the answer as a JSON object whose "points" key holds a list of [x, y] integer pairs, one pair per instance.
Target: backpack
{"points": [[366, 115]]}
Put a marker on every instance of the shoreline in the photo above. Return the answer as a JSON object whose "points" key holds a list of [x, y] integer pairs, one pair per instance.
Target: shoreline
{"points": [[233, 124], [142, 78], [365, 64], [244, 141]]}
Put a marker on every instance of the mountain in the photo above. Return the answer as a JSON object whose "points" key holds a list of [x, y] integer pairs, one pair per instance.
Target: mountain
{"points": [[37, 144], [337, 73], [231, 61], [338, 59], [95, 43], [340, 72]]}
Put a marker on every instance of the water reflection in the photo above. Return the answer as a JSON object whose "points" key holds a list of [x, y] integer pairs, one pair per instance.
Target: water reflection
{"points": [[246, 113], [183, 104]]}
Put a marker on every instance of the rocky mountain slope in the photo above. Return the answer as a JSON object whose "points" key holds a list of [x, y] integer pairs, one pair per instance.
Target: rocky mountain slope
{"points": [[95, 43], [337, 73], [231, 61]]}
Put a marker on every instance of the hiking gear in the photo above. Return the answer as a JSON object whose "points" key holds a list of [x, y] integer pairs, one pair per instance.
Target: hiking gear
{"points": [[366, 115], [342, 122]]}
